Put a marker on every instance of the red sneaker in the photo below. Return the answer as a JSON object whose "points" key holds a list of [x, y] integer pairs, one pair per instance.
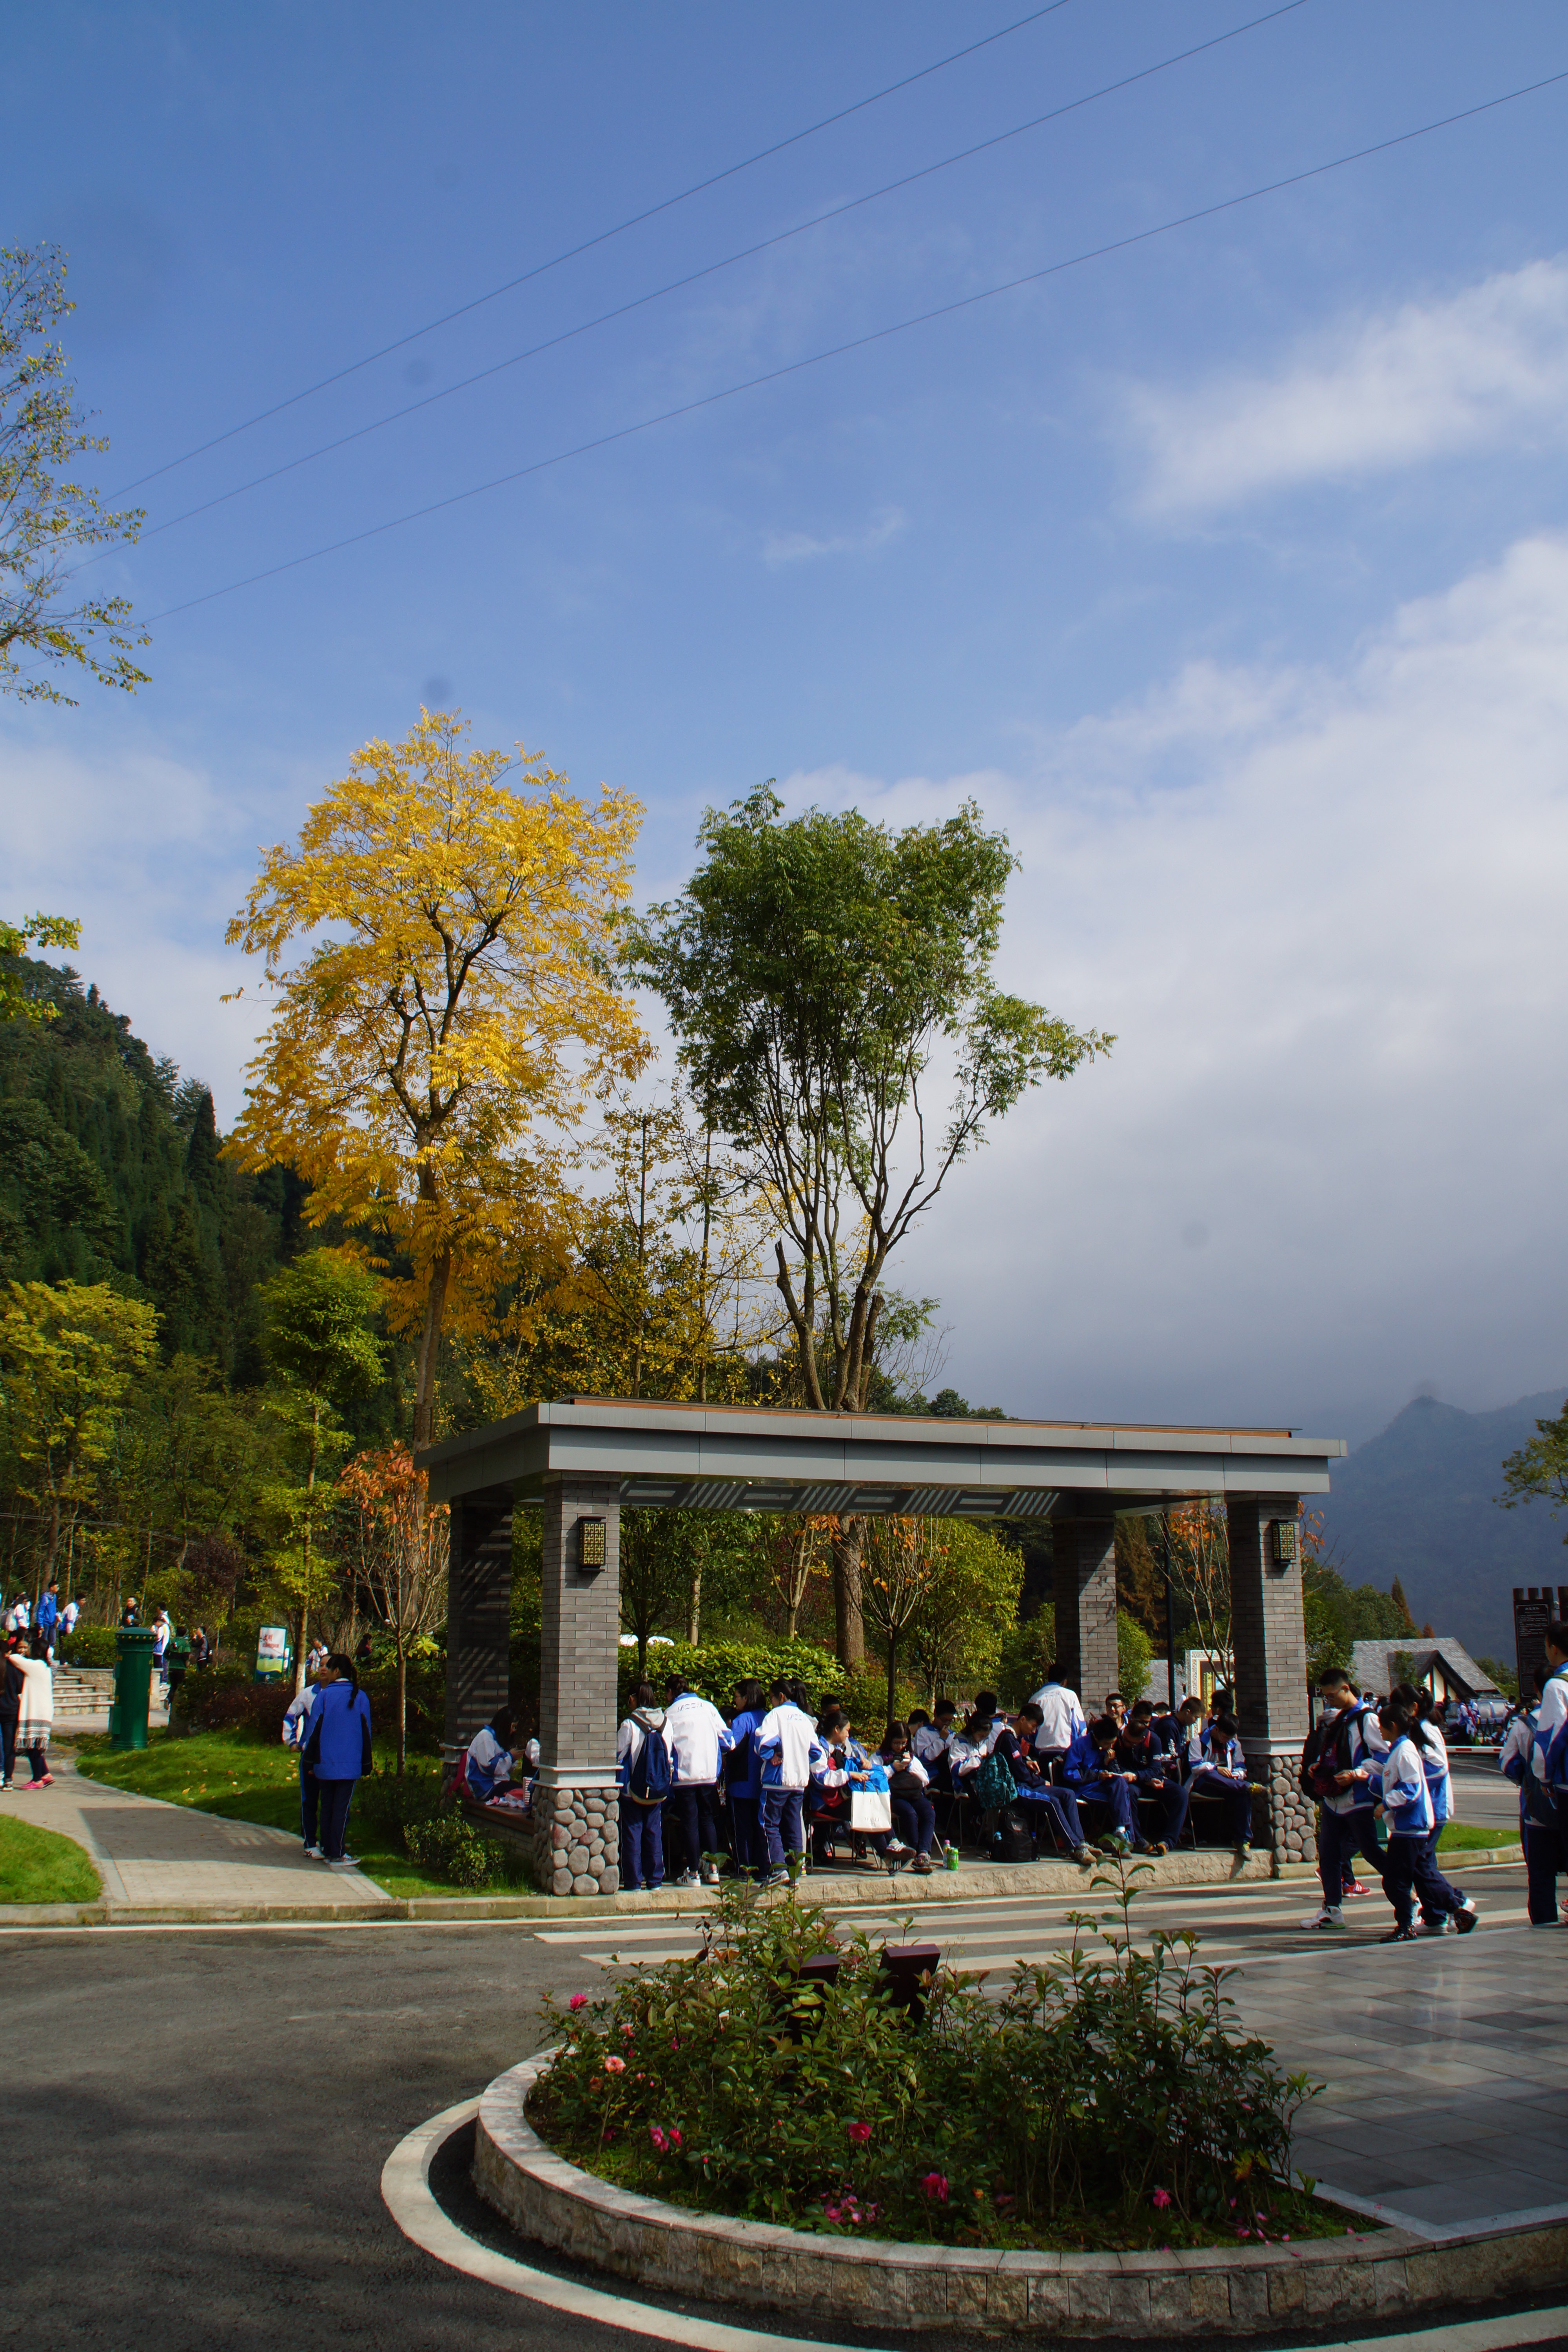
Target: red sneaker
{"points": [[1355, 1887]]}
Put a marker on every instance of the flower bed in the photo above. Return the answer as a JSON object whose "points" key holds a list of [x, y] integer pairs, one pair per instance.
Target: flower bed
{"points": [[1106, 2102]]}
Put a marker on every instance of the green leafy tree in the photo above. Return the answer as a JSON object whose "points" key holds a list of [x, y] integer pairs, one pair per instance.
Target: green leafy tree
{"points": [[657, 1549], [1539, 1470], [48, 515], [67, 1358], [823, 977], [956, 1631], [18, 1000], [316, 1336]]}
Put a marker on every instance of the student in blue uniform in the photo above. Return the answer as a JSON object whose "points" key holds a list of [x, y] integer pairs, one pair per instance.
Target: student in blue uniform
{"points": [[337, 1750], [1538, 1831], [1339, 1765], [1220, 1771], [1094, 1776], [1407, 1808]]}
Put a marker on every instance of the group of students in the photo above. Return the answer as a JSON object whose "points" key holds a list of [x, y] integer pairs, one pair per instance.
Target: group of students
{"points": [[49, 1619], [782, 1776], [1379, 1774]]}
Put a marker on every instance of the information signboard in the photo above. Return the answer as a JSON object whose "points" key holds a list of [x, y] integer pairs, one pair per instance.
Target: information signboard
{"points": [[1534, 1607], [272, 1652]]}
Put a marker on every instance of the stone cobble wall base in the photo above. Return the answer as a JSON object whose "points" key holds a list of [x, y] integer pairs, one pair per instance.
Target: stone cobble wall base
{"points": [[1292, 1818], [576, 1839], [1381, 2275]]}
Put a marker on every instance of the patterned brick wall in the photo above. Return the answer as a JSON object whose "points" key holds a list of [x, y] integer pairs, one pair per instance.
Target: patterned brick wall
{"points": [[1269, 1635], [575, 1806], [1085, 1591]]}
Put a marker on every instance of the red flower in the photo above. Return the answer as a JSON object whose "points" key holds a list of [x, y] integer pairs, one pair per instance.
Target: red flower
{"points": [[934, 2185], [578, 2001], [859, 2134], [613, 2065], [1162, 2198]]}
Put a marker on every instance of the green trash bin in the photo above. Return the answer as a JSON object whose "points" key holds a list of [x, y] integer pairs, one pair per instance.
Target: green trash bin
{"points": [[132, 1686]]}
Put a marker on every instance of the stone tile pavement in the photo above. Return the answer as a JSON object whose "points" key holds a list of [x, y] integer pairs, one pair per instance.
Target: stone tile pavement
{"points": [[148, 1852], [1445, 2064]]}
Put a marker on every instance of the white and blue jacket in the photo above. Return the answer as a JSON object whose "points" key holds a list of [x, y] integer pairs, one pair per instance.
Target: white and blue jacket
{"points": [[1224, 1757], [791, 1751], [1552, 1730], [1435, 1764], [1367, 1749], [488, 1764], [836, 1766], [1406, 1798], [1516, 1763]]}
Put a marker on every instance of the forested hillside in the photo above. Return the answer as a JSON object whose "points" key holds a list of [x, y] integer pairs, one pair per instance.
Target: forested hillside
{"points": [[109, 1171]]}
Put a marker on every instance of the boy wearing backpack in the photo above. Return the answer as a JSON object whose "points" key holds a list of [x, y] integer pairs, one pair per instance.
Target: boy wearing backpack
{"points": [[647, 1774], [1340, 1764]]}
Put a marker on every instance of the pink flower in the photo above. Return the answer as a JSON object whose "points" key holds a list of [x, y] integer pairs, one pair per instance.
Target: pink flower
{"points": [[859, 2134], [831, 2213], [674, 2136], [934, 2185], [657, 2137], [613, 2065], [1162, 2198], [578, 2001]]}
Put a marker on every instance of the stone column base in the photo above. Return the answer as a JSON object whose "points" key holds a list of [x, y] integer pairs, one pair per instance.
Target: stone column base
{"points": [[577, 1839], [1292, 1830]]}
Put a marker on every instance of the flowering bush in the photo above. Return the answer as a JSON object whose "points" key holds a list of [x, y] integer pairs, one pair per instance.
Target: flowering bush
{"points": [[1106, 2098]]}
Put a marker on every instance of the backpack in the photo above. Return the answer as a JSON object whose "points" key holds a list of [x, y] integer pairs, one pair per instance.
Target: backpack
{"points": [[994, 1784], [650, 1779], [1014, 1841], [1327, 1752]]}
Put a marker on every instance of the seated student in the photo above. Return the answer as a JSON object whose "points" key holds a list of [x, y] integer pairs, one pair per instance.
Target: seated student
{"points": [[914, 1817], [1221, 1772], [827, 1800], [1091, 1772], [1116, 1708], [487, 1766], [848, 1767], [1034, 1785], [1147, 1748]]}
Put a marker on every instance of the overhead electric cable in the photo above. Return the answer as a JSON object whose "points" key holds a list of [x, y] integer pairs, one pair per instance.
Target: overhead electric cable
{"points": [[876, 335], [604, 236], [675, 285]]}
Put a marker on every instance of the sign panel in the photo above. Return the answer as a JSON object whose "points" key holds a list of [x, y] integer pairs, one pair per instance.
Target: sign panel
{"points": [[1533, 1610], [271, 1651]]}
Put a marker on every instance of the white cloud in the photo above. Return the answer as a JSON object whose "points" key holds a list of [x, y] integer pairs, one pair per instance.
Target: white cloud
{"points": [[1324, 912], [153, 858], [802, 546], [1487, 367]]}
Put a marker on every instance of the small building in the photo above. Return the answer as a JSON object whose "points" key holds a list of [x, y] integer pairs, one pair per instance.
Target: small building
{"points": [[1432, 1662]]}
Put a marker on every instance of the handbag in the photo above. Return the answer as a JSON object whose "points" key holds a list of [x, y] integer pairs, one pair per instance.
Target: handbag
{"points": [[870, 1809]]}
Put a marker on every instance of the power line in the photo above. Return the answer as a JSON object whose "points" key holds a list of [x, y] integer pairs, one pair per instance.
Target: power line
{"points": [[877, 335], [604, 236], [709, 270]]}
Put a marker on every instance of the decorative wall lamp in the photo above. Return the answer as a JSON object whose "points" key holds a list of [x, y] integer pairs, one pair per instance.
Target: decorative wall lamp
{"points": [[1282, 1545], [591, 1549]]}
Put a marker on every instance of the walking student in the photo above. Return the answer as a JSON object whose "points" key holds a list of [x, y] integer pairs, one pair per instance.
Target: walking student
{"points": [[646, 1772], [12, 1684], [1339, 1767], [1407, 1804], [697, 1735], [337, 1750], [787, 1743], [295, 1726]]}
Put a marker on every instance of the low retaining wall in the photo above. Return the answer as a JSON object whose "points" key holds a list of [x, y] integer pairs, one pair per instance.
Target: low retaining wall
{"points": [[1384, 2276]]}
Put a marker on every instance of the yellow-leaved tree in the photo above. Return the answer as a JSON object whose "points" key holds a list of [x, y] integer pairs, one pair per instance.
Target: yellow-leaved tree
{"points": [[449, 1014]]}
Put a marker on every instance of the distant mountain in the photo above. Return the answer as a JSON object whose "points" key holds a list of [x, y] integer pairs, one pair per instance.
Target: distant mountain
{"points": [[1416, 1502]]}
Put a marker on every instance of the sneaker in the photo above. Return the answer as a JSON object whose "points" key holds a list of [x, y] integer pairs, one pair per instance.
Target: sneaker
{"points": [[314, 1853], [343, 1862], [1355, 1887], [1400, 1935], [1326, 1915], [774, 1878], [1468, 1919], [1084, 1853], [710, 1873], [922, 1862], [1157, 1848], [689, 1878], [1437, 1927]]}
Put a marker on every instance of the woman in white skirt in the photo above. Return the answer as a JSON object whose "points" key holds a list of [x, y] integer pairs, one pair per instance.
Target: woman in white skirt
{"points": [[36, 1712]]}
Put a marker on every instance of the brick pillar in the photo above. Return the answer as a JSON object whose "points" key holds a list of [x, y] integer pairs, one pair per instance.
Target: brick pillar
{"points": [[1269, 1638], [478, 1613], [575, 1809], [1085, 1583]]}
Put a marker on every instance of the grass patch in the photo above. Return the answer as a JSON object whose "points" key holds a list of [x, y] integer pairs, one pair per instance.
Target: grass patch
{"points": [[246, 1778], [39, 1866], [1464, 1837]]}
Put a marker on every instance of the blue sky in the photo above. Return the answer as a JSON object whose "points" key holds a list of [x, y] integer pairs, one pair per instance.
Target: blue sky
{"points": [[1228, 571]]}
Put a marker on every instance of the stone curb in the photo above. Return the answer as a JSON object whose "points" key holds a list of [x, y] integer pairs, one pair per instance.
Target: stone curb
{"points": [[877, 2283], [981, 1885]]}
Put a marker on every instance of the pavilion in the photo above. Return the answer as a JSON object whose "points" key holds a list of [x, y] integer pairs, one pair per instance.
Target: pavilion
{"points": [[582, 1458]]}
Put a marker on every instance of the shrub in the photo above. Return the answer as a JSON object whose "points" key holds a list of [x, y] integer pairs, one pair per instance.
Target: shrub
{"points": [[226, 1698], [1105, 2099], [410, 1809], [90, 1645], [714, 1668]]}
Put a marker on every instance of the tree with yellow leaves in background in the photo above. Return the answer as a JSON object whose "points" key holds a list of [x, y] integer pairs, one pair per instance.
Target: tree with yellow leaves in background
{"points": [[448, 1018]]}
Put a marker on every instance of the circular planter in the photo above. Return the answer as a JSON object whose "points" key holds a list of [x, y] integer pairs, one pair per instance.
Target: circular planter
{"points": [[874, 2281]]}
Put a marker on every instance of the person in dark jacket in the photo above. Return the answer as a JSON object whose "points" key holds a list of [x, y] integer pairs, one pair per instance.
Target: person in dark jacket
{"points": [[336, 1750], [12, 1684]]}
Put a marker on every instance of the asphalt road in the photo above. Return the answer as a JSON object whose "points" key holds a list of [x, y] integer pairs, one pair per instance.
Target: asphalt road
{"points": [[196, 2123]]}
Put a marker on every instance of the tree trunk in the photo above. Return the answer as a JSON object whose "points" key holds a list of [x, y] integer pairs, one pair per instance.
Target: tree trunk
{"points": [[401, 1700], [694, 1608], [849, 1630], [430, 1348], [310, 1521], [891, 1716]]}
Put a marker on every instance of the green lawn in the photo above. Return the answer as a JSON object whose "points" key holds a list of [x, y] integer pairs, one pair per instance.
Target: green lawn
{"points": [[41, 1866], [246, 1780], [1464, 1837]]}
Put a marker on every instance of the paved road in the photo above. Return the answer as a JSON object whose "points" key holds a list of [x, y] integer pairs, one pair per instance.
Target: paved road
{"points": [[197, 2119]]}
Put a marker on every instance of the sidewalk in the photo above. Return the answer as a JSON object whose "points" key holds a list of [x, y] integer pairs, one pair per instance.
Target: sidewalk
{"points": [[150, 1853]]}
